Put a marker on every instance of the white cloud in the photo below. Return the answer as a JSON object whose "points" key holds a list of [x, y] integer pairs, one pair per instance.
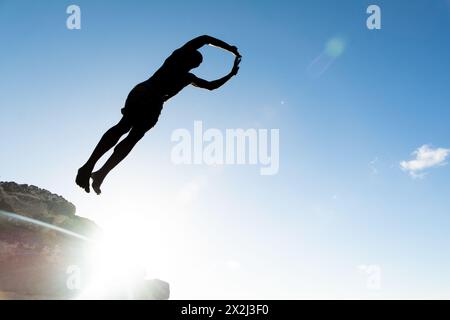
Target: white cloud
{"points": [[425, 157]]}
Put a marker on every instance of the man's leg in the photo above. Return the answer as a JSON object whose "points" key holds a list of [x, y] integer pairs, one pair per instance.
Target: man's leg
{"points": [[120, 152], [109, 140]]}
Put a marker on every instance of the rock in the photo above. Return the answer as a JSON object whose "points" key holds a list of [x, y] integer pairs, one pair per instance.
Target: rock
{"points": [[44, 246], [156, 290], [34, 254], [31, 200]]}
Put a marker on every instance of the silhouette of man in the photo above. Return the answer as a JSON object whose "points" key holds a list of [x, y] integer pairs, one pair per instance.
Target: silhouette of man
{"points": [[145, 102]]}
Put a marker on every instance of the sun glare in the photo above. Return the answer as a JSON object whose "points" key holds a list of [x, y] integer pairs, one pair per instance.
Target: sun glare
{"points": [[132, 248]]}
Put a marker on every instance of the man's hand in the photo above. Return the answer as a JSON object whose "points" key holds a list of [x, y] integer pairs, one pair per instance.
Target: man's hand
{"points": [[235, 69], [234, 50], [212, 85]]}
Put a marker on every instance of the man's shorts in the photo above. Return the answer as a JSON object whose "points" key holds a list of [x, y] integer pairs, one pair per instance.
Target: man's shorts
{"points": [[142, 107]]}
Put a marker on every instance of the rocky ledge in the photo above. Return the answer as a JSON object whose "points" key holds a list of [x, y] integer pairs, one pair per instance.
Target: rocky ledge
{"points": [[45, 246]]}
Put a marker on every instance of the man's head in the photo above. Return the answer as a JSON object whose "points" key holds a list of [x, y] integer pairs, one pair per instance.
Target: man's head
{"points": [[192, 59]]}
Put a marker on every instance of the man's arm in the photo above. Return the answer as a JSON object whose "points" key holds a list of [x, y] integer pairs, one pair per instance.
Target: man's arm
{"points": [[212, 85], [201, 41]]}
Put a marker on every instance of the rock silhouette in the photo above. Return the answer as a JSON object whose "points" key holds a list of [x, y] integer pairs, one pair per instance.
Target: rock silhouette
{"points": [[36, 258]]}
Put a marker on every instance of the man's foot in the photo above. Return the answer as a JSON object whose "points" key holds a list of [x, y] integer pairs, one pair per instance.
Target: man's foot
{"points": [[83, 178], [97, 180]]}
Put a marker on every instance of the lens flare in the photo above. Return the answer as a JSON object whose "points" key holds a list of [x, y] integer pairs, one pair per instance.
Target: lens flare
{"points": [[335, 47], [17, 217]]}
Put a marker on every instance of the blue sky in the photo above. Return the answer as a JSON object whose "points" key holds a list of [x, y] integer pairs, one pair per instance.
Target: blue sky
{"points": [[340, 199]]}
